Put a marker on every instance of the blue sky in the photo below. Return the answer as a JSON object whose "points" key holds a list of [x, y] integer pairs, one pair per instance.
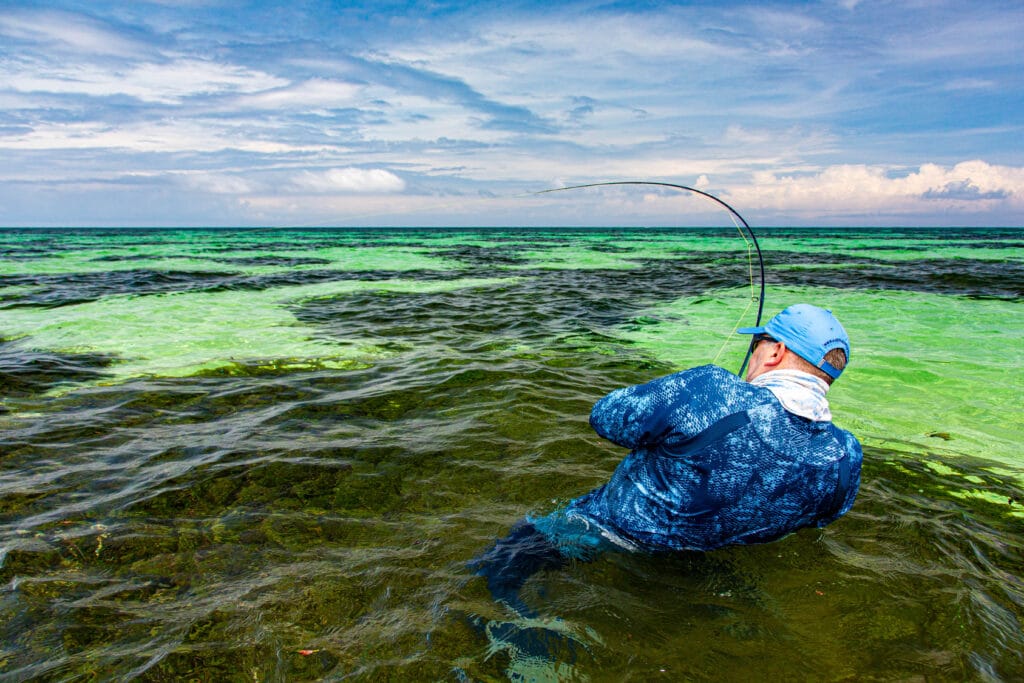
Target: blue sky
{"points": [[194, 112]]}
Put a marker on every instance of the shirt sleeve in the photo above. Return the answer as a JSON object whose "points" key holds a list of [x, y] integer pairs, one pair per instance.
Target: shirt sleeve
{"points": [[639, 414], [853, 447]]}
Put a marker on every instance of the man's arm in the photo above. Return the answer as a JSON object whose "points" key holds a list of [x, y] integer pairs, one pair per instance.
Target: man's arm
{"points": [[638, 415], [856, 456]]}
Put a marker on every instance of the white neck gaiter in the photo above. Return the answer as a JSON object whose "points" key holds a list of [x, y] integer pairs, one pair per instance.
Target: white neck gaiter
{"points": [[799, 392]]}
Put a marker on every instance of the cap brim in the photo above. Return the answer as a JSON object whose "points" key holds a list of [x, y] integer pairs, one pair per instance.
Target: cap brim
{"points": [[750, 330]]}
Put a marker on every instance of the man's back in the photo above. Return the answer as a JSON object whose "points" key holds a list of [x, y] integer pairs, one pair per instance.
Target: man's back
{"points": [[716, 461]]}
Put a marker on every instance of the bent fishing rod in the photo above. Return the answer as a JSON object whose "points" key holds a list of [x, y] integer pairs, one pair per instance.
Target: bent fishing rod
{"points": [[732, 211]]}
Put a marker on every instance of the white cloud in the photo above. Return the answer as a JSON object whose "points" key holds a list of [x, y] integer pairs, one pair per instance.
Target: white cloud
{"points": [[970, 84], [311, 94], [573, 54], [192, 135], [872, 189], [166, 83], [785, 23], [968, 188], [978, 37], [353, 180], [63, 31], [219, 183], [410, 118], [790, 141]]}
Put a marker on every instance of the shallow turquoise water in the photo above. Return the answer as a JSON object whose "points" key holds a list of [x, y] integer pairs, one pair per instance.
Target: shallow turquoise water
{"points": [[221, 448]]}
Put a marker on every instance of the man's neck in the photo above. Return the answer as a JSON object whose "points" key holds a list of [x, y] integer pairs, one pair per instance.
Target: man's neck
{"points": [[801, 393]]}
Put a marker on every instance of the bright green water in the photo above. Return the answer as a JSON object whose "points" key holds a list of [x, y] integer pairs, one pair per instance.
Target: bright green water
{"points": [[183, 333]]}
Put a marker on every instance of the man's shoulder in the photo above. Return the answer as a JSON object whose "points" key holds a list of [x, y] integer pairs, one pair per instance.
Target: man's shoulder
{"points": [[718, 390], [702, 379], [851, 442], [711, 370], [711, 374]]}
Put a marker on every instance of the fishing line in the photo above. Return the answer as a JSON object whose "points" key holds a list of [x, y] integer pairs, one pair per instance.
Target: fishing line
{"points": [[734, 215]]}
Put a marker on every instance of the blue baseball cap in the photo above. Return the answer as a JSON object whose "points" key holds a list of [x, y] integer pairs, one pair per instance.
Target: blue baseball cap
{"points": [[809, 332]]}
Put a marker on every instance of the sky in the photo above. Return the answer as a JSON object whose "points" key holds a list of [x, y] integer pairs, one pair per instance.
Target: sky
{"points": [[316, 113]]}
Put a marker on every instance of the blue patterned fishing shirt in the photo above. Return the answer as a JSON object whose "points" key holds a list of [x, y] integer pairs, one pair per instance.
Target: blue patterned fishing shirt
{"points": [[714, 461]]}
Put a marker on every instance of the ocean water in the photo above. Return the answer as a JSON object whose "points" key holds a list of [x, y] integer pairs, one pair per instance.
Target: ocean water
{"points": [[242, 455]]}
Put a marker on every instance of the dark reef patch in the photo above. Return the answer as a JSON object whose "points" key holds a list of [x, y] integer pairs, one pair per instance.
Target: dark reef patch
{"points": [[52, 291], [24, 372]]}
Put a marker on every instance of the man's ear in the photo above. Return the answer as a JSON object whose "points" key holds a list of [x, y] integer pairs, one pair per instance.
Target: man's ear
{"points": [[776, 355]]}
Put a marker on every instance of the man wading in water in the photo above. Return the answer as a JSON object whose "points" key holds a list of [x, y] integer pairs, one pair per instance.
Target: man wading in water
{"points": [[714, 460]]}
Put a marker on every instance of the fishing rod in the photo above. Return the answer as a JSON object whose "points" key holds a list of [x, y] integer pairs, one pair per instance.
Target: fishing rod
{"points": [[734, 212]]}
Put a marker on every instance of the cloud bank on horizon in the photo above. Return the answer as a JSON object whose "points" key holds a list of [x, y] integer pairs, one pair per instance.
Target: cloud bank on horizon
{"points": [[212, 113]]}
